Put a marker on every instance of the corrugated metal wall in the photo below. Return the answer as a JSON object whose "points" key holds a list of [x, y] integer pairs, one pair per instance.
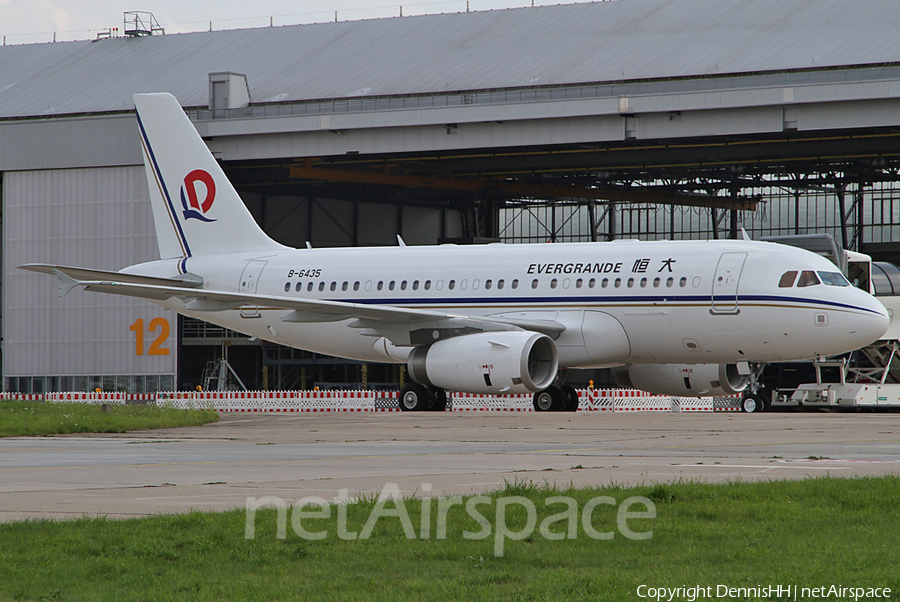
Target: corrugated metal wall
{"points": [[66, 143], [83, 217]]}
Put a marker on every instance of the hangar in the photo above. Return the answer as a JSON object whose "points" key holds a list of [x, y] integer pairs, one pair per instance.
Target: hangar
{"points": [[593, 121]]}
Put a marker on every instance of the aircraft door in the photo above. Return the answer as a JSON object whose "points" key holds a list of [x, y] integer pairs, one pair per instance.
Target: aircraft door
{"points": [[250, 276], [248, 284], [725, 283]]}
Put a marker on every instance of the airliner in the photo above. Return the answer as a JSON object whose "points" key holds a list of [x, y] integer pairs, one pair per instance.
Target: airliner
{"points": [[687, 318]]}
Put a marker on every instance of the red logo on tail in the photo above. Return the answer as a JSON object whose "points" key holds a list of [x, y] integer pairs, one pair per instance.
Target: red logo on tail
{"points": [[194, 208]]}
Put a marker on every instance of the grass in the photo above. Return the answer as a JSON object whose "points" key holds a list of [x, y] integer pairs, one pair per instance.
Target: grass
{"points": [[25, 418], [806, 533]]}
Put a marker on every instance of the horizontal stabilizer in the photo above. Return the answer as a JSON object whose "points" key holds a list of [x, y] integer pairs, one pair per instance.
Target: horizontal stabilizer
{"points": [[84, 274], [70, 277]]}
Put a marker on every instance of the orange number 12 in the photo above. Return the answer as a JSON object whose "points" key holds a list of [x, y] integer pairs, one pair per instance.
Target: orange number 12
{"points": [[156, 347]]}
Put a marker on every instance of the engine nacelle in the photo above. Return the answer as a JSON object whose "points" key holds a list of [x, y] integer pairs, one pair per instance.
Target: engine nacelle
{"points": [[684, 380], [487, 362]]}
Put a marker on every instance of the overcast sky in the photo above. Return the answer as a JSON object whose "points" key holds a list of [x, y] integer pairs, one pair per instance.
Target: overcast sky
{"points": [[36, 21]]}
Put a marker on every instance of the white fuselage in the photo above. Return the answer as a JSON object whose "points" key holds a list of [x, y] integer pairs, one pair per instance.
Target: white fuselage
{"points": [[628, 302]]}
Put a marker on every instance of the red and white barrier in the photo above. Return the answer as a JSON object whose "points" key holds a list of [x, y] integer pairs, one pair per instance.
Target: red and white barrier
{"points": [[21, 397], [284, 401], [591, 400]]}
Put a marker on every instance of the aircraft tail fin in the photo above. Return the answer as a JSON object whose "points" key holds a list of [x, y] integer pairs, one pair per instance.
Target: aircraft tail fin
{"points": [[195, 208]]}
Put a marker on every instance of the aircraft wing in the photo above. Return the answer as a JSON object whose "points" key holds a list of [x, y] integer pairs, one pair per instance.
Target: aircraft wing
{"points": [[401, 325]]}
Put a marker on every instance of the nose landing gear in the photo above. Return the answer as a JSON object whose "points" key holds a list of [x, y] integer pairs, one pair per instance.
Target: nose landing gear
{"points": [[753, 403], [755, 399]]}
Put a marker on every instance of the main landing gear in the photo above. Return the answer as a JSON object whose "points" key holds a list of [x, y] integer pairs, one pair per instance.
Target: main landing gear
{"points": [[418, 398], [556, 399]]}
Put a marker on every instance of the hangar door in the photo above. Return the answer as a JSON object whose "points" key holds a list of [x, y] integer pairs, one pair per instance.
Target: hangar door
{"points": [[97, 218]]}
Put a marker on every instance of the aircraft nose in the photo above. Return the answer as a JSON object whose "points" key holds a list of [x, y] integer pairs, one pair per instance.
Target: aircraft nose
{"points": [[870, 324]]}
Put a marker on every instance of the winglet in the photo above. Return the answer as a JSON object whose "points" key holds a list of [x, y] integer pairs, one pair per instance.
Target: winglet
{"points": [[66, 283], [400, 241]]}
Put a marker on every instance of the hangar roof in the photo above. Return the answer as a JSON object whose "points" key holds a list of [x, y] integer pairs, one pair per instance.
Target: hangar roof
{"points": [[624, 40]]}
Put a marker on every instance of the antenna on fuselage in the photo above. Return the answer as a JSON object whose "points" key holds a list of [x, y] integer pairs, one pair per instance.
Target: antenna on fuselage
{"points": [[400, 241]]}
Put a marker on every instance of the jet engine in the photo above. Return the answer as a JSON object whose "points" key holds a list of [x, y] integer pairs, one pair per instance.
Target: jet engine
{"points": [[685, 380], [487, 362]]}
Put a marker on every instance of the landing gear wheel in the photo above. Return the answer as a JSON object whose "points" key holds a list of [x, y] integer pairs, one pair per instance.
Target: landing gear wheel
{"points": [[571, 398], [415, 398], [753, 403], [440, 400], [550, 399]]}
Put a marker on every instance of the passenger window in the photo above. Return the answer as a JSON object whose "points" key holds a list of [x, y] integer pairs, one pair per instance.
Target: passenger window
{"points": [[670, 282], [475, 284], [380, 285], [345, 286], [287, 286], [451, 285], [356, 285], [592, 282], [500, 284], [630, 282], [578, 283], [488, 283], [643, 283], [333, 286], [515, 283], [427, 285], [618, 282], [463, 284], [807, 278], [787, 279], [415, 285], [309, 287], [403, 285], [553, 283], [299, 287], [534, 283], [391, 285], [683, 282], [656, 283], [322, 286], [604, 283]]}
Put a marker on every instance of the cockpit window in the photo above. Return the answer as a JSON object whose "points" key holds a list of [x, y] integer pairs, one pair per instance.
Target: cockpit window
{"points": [[787, 279], [808, 278], [833, 279]]}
